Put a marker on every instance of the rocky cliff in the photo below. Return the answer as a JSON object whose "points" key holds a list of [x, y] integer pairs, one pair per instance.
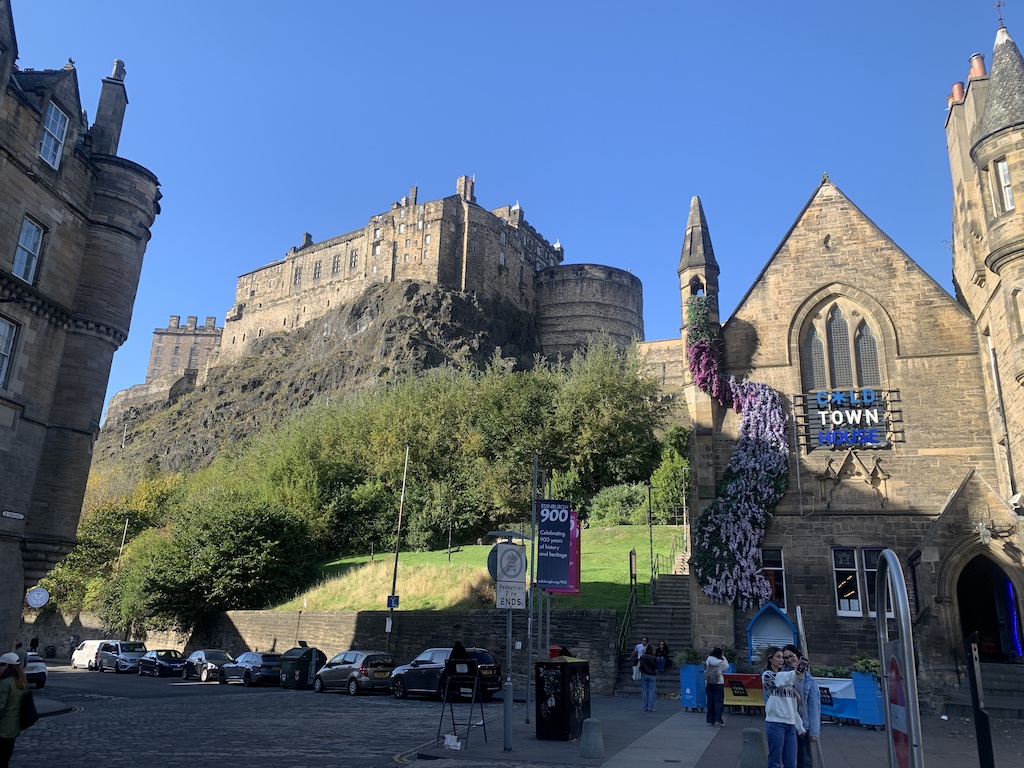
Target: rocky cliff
{"points": [[391, 330]]}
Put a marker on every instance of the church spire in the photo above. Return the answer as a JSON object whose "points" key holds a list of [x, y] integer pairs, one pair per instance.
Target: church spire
{"points": [[698, 270], [1004, 107]]}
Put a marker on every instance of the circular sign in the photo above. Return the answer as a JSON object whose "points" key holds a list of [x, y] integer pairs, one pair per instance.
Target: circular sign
{"points": [[37, 597], [898, 717], [511, 564]]}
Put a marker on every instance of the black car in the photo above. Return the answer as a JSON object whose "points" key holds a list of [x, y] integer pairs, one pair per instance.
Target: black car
{"points": [[356, 671], [426, 674], [161, 662], [205, 664], [251, 668]]}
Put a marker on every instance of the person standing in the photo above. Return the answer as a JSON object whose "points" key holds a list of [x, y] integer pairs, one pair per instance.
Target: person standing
{"points": [[714, 686], [12, 686], [648, 678], [782, 721], [810, 707], [33, 645]]}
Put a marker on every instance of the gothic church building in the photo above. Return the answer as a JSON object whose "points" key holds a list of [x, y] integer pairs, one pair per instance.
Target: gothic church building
{"points": [[906, 405]]}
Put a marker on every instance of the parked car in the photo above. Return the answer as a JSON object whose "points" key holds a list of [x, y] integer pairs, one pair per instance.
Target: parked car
{"points": [[253, 667], [85, 656], [35, 669], [120, 655], [356, 671], [161, 662], [205, 664], [425, 674]]}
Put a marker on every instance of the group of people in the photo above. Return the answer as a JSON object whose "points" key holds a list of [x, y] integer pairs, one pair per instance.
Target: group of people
{"points": [[13, 686], [792, 704], [648, 661]]}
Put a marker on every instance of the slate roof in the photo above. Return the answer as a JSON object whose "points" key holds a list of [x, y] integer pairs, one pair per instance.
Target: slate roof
{"points": [[697, 250], [1005, 105]]}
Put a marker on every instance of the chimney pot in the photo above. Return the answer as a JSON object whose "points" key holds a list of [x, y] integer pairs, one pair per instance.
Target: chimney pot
{"points": [[977, 66], [958, 92]]}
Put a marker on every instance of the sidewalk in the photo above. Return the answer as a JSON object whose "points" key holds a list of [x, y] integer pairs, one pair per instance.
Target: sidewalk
{"points": [[636, 739]]}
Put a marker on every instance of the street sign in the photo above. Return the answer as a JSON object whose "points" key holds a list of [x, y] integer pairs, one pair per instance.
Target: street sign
{"points": [[392, 601], [511, 595], [511, 565]]}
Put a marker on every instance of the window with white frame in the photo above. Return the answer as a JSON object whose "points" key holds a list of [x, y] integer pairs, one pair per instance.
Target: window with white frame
{"points": [[26, 257], [1002, 192], [55, 128], [8, 333], [844, 567], [336, 264], [772, 569], [353, 259]]}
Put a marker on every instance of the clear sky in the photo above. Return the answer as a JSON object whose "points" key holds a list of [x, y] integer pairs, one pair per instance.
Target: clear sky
{"points": [[264, 120]]}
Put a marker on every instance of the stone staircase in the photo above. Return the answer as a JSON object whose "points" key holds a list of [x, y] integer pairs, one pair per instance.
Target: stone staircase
{"points": [[669, 620], [1003, 685]]}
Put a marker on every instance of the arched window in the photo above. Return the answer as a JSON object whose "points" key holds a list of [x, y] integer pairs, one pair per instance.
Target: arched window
{"points": [[832, 357]]}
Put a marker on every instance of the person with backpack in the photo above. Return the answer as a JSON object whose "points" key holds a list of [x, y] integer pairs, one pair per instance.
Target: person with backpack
{"points": [[714, 686], [13, 686]]}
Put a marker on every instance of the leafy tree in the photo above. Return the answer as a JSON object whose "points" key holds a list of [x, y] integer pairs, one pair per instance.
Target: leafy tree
{"points": [[671, 479], [619, 505]]}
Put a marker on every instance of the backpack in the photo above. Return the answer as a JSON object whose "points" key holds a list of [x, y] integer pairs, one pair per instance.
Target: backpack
{"points": [[710, 674], [29, 714]]}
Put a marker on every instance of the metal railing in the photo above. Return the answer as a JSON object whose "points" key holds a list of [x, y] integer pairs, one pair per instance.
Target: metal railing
{"points": [[663, 564], [627, 619]]}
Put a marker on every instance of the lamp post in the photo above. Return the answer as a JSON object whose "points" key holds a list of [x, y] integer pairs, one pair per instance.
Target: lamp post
{"points": [[650, 533], [398, 540]]}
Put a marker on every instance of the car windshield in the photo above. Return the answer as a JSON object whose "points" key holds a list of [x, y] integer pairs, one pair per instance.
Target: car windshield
{"points": [[133, 647], [169, 655], [380, 661], [218, 656]]}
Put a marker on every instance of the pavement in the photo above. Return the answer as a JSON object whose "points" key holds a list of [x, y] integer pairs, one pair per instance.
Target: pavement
{"points": [[669, 736], [676, 737]]}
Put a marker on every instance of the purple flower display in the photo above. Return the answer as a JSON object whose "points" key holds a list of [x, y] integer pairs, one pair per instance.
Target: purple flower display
{"points": [[727, 542]]}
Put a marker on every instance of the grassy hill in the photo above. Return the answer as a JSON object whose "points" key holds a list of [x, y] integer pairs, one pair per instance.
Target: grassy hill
{"points": [[459, 580]]}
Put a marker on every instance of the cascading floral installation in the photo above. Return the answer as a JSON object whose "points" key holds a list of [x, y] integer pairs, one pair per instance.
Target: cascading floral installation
{"points": [[726, 545]]}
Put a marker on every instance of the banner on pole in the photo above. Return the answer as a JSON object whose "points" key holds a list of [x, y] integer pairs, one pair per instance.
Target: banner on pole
{"points": [[557, 536]]}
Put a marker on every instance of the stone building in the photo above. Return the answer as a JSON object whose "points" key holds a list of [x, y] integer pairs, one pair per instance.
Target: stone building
{"points": [[179, 348], [74, 225], [906, 405], [454, 243]]}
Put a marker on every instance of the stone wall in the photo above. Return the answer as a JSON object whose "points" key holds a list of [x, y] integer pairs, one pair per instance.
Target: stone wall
{"points": [[589, 634]]}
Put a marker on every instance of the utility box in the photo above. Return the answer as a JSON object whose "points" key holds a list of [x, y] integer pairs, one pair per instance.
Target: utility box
{"points": [[563, 697], [299, 666]]}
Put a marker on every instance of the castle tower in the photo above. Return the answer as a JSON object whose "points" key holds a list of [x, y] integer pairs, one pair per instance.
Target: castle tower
{"points": [[698, 270], [985, 139]]}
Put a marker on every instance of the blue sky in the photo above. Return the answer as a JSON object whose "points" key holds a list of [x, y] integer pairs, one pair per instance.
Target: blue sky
{"points": [[601, 118]]}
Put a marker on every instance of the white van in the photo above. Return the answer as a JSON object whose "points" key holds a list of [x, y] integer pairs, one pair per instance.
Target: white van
{"points": [[86, 655]]}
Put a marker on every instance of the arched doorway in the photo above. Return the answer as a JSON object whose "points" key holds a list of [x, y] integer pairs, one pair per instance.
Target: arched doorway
{"points": [[988, 606]]}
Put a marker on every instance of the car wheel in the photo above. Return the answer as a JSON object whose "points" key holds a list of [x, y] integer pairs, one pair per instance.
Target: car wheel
{"points": [[353, 687], [222, 677], [246, 678], [156, 671], [318, 684], [40, 684], [184, 673], [398, 688], [204, 675], [90, 666], [140, 670], [117, 667]]}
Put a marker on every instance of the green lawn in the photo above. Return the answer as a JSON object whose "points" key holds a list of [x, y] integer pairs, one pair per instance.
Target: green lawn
{"points": [[604, 572]]}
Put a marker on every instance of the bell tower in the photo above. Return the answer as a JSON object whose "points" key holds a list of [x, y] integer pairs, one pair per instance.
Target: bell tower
{"points": [[698, 270]]}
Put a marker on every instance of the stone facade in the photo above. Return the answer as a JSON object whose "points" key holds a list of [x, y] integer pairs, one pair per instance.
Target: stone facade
{"points": [[840, 308], [453, 243], [74, 221], [179, 348]]}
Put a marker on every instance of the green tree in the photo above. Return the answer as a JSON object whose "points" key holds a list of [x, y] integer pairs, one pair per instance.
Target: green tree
{"points": [[619, 505]]}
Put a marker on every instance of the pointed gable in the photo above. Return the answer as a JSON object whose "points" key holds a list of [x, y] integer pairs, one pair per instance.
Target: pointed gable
{"points": [[833, 248], [1005, 105]]}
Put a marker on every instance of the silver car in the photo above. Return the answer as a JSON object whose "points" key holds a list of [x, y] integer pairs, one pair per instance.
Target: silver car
{"points": [[120, 655], [356, 671]]}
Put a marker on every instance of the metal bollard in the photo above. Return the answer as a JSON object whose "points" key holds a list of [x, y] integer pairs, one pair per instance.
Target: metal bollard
{"points": [[592, 740], [754, 753]]}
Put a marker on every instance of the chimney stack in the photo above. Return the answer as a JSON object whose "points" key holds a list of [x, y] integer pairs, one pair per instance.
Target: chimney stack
{"points": [[977, 66]]}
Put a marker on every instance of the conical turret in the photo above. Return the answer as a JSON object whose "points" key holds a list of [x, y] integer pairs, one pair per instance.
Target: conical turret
{"points": [[698, 270], [1005, 105]]}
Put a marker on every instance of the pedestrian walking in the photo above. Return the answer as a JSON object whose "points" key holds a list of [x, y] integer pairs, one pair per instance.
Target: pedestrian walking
{"points": [[648, 678], [714, 686], [33, 645], [810, 707], [782, 721], [12, 686]]}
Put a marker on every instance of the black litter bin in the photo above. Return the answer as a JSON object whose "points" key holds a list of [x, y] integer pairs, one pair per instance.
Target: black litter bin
{"points": [[563, 697], [299, 667], [50, 652]]}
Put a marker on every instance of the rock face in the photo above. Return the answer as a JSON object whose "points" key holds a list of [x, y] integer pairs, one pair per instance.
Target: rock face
{"points": [[389, 331]]}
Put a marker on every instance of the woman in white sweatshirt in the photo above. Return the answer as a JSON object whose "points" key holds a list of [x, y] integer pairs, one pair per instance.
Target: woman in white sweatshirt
{"points": [[782, 720]]}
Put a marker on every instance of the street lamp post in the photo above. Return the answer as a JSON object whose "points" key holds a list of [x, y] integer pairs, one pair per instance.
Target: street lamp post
{"points": [[650, 532]]}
